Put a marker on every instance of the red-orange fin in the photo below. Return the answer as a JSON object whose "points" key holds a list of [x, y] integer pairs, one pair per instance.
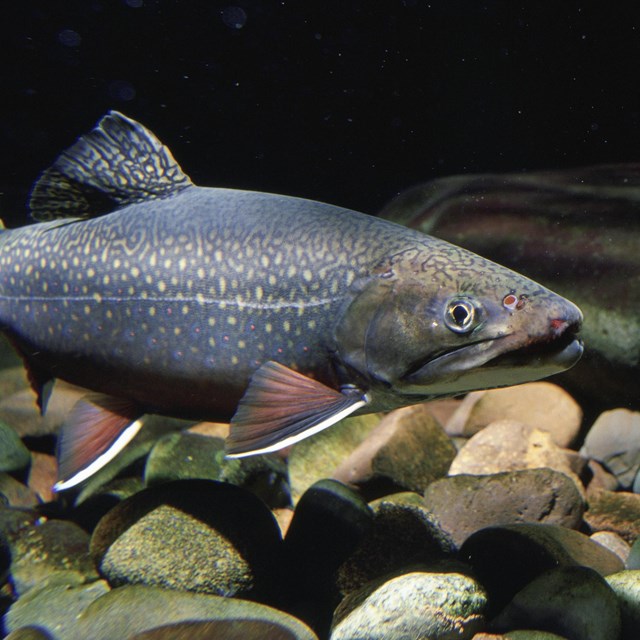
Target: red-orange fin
{"points": [[282, 407], [95, 431]]}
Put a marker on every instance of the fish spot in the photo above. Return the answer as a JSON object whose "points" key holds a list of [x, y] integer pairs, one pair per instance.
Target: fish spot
{"points": [[232, 320], [177, 331], [135, 272], [152, 311], [241, 344], [212, 321], [234, 360], [106, 279], [268, 328], [162, 287], [185, 309], [91, 272], [286, 325], [212, 342]]}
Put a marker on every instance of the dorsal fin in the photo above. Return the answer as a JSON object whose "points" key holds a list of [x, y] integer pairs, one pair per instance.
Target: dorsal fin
{"points": [[118, 163]]}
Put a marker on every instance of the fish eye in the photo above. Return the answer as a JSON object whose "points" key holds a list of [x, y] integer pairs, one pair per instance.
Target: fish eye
{"points": [[460, 316]]}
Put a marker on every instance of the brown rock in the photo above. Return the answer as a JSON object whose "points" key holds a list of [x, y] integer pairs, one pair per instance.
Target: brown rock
{"points": [[613, 542], [615, 511], [464, 504], [408, 447], [539, 404], [17, 494], [508, 445], [42, 475], [600, 478]]}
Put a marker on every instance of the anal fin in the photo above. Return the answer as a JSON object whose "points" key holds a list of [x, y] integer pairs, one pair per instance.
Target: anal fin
{"points": [[95, 431], [282, 407]]}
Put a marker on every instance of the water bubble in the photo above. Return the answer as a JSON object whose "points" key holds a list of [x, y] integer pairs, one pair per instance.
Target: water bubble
{"points": [[122, 90], [69, 38], [234, 17]]}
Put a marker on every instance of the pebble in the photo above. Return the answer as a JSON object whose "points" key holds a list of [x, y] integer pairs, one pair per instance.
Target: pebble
{"points": [[316, 458], [43, 474], [507, 558], [16, 493], [615, 511], [464, 504], [226, 629], [438, 606], [633, 561], [14, 456], [403, 533], [541, 405], [626, 586], [196, 535], [408, 449], [184, 455], [614, 441], [509, 445], [28, 633], [574, 602], [613, 542]]}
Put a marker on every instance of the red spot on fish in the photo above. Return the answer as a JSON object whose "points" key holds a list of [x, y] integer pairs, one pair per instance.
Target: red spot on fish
{"points": [[558, 325], [169, 311], [252, 327], [279, 350], [225, 338]]}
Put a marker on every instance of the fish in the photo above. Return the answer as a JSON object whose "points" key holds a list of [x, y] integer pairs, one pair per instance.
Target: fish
{"points": [[582, 231], [279, 314]]}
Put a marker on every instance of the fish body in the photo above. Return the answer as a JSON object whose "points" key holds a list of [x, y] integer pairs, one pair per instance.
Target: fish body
{"points": [[279, 313]]}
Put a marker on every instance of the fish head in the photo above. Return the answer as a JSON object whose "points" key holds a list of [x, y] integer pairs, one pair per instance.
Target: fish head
{"points": [[439, 320]]}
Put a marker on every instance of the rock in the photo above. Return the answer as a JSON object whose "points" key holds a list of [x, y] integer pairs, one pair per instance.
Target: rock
{"points": [[14, 456], [404, 532], [615, 511], [16, 493], [184, 455], [29, 633], [328, 523], [613, 542], [42, 475], [226, 629], [409, 449], [54, 609], [316, 458], [626, 586], [55, 552], [530, 635], [198, 535], [614, 441], [507, 558], [438, 606], [464, 504], [633, 561], [541, 405], [575, 602], [130, 610], [600, 478], [508, 445]]}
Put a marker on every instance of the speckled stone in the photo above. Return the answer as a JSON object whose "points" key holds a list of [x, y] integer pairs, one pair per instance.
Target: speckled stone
{"points": [[316, 458], [404, 532], [541, 405], [575, 602], [507, 558], [613, 542], [198, 535], [509, 445], [614, 441], [464, 504], [615, 511], [408, 448], [184, 455], [626, 586], [438, 606], [17, 493], [55, 552]]}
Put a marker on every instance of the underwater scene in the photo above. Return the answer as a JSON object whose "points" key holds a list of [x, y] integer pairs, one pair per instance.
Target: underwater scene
{"points": [[319, 321]]}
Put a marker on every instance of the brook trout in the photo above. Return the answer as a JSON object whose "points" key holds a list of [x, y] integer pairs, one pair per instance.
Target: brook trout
{"points": [[281, 314]]}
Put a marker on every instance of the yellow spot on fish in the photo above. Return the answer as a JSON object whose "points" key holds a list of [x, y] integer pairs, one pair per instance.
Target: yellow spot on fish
{"points": [[291, 271], [167, 263], [152, 311], [232, 320], [87, 309], [106, 279], [182, 264], [201, 273], [222, 284], [234, 360], [153, 260], [273, 280], [286, 325], [162, 287], [259, 293], [212, 342], [91, 272], [109, 314], [177, 331], [264, 260], [307, 275], [268, 327], [311, 324], [116, 263], [135, 272], [185, 309], [212, 321], [97, 297]]}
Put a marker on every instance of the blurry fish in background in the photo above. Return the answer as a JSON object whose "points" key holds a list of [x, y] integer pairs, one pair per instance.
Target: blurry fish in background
{"points": [[576, 231], [281, 314]]}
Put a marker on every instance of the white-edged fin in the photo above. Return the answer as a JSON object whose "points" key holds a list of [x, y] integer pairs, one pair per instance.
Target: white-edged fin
{"points": [[96, 430], [282, 407]]}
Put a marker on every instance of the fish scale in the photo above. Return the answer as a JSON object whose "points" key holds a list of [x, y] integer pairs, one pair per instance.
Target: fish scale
{"points": [[279, 313]]}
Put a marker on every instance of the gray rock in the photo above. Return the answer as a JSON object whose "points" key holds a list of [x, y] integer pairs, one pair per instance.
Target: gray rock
{"points": [[575, 602], [29, 633], [91, 611], [541, 405], [226, 629], [404, 533], [531, 635], [614, 441], [197, 535], [613, 542], [633, 561], [55, 552], [464, 504], [507, 558], [438, 606], [408, 448], [626, 586], [615, 511], [184, 455], [509, 445], [17, 493], [54, 609], [13, 454], [316, 458]]}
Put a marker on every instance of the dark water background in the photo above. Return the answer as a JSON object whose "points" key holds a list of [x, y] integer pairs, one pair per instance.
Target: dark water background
{"points": [[347, 102]]}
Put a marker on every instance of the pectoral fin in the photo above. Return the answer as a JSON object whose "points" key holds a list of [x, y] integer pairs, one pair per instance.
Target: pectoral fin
{"points": [[95, 431], [282, 407]]}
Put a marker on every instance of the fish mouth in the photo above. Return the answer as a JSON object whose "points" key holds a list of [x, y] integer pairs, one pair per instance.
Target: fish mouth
{"points": [[496, 362]]}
